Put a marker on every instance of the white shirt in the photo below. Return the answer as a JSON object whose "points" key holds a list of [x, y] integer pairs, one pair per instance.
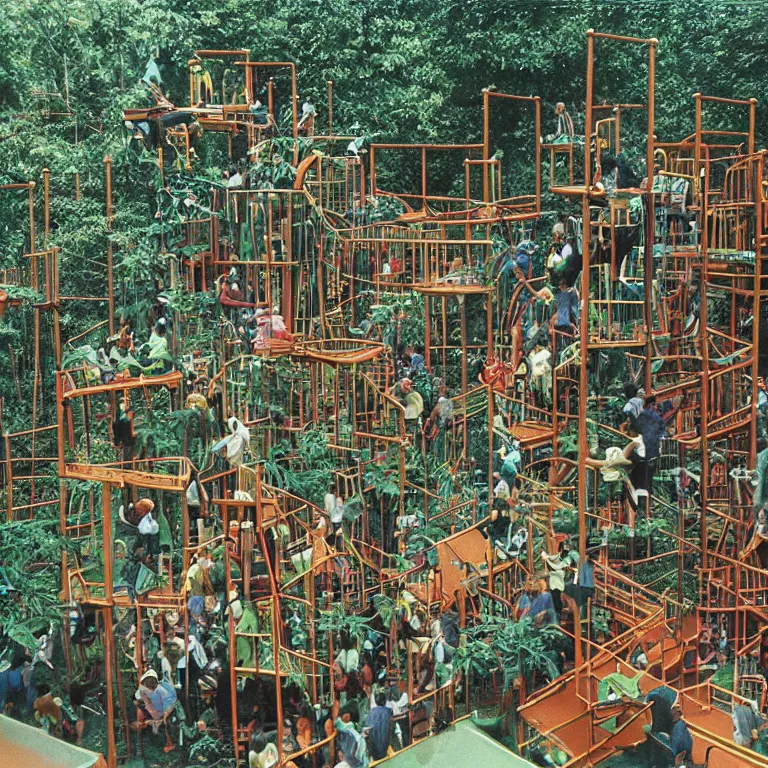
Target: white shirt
{"points": [[265, 759], [556, 568], [399, 706], [334, 508]]}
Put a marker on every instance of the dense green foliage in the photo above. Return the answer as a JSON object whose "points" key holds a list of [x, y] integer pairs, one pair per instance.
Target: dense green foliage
{"points": [[403, 71], [406, 72]]}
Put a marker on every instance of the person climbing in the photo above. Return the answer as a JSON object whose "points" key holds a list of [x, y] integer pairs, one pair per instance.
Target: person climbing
{"points": [[440, 419], [368, 327], [149, 529], [566, 311], [16, 685], [747, 724], [556, 568], [378, 725], [307, 120], [123, 428], [633, 406], [564, 131], [334, 507], [234, 178], [401, 389], [157, 346], [235, 444], [262, 754], [512, 463], [417, 359], [542, 609], [652, 428], [521, 261], [680, 739], [72, 714], [155, 701], [123, 339], [586, 579]]}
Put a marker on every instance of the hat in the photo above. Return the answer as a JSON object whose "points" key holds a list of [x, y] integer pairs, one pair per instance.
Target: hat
{"points": [[143, 507], [172, 617], [149, 673]]}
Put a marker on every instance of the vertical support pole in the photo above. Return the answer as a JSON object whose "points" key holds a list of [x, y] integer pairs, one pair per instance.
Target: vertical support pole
{"points": [[232, 636], [372, 166], [486, 142], [37, 384], [464, 373], [268, 235], [681, 536], [697, 150], [106, 535], [8, 477], [109, 662], [192, 100], [584, 311], [427, 331], [491, 409], [46, 205], [32, 234], [110, 254], [61, 423], [650, 235], [702, 172], [287, 270], [757, 174], [294, 99], [752, 115], [330, 107], [537, 153]]}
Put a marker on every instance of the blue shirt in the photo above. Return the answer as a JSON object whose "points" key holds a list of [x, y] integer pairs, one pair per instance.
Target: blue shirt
{"points": [[567, 303], [587, 574], [417, 362], [543, 604], [652, 427], [633, 407], [160, 701], [378, 721], [680, 740]]}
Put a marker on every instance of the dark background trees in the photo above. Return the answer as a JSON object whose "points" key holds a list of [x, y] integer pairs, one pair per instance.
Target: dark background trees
{"points": [[403, 71]]}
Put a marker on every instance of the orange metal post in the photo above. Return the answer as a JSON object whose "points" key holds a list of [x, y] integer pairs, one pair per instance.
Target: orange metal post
{"points": [[110, 255], [486, 141]]}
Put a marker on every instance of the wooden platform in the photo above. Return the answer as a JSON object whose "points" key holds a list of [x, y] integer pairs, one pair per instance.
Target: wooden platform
{"points": [[531, 433]]}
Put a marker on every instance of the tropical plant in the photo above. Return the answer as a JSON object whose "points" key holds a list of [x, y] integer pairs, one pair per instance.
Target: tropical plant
{"points": [[516, 649], [30, 575], [338, 621]]}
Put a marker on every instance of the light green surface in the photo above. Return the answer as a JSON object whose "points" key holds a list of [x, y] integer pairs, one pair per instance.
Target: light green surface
{"points": [[460, 746], [22, 746]]}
